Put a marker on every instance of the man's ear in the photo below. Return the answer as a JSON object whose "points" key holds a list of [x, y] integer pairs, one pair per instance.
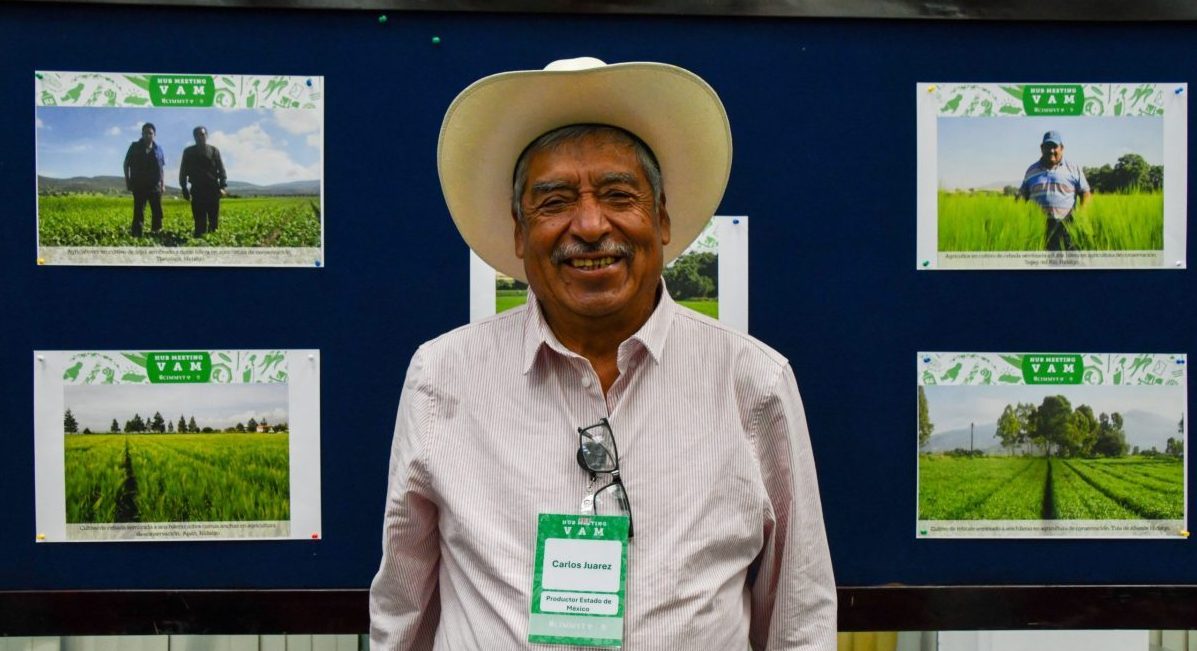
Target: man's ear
{"points": [[519, 235], [663, 220]]}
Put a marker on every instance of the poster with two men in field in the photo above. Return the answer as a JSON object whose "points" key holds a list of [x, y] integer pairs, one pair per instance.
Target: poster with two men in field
{"points": [[1051, 176], [1052, 445], [179, 169], [177, 445]]}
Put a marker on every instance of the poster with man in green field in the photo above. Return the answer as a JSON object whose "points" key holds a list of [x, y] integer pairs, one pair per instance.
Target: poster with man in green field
{"points": [[999, 188], [1051, 445], [266, 131]]}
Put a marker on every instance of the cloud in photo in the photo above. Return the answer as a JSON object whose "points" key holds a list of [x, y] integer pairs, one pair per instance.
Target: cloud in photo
{"points": [[251, 155], [297, 121], [260, 146]]}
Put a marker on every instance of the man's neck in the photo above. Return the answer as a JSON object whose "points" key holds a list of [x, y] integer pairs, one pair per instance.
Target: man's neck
{"points": [[598, 339]]}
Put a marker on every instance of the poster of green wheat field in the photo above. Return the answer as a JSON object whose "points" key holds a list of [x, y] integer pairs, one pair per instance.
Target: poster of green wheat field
{"points": [[1051, 445], [169, 455]]}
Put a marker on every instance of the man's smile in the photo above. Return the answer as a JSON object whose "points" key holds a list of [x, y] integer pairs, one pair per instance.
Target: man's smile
{"points": [[592, 263]]}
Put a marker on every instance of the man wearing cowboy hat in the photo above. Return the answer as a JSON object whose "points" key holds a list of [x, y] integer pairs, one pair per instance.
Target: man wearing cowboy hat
{"points": [[507, 428]]}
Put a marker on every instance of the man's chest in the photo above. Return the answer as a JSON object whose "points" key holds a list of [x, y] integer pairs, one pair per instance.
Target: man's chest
{"points": [[687, 464]]}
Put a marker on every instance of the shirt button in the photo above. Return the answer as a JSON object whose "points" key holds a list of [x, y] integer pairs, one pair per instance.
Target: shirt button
{"points": [[586, 382]]}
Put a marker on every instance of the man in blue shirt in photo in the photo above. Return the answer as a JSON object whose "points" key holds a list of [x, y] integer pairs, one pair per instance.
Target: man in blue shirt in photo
{"points": [[145, 178], [1058, 187]]}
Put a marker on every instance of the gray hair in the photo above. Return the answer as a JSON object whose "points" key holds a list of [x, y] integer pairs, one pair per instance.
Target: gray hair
{"points": [[573, 133]]}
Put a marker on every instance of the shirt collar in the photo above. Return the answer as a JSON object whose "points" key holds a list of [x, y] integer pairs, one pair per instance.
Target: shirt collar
{"points": [[651, 336]]}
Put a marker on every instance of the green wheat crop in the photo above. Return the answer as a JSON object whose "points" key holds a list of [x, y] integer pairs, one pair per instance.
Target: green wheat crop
{"points": [[994, 222], [180, 477], [95, 221]]}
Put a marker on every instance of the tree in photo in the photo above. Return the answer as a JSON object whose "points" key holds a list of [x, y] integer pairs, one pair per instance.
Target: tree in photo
{"points": [[925, 424], [1053, 422], [1081, 435], [191, 426], [251, 426], [1131, 173], [182, 426], [135, 425], [1111, 440], [115, 427], [69, 425], [694, 275], [1176, 446], [158, 423]]}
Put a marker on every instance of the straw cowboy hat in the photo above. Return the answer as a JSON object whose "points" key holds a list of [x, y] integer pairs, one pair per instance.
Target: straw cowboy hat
{"points": [[490, 123]]}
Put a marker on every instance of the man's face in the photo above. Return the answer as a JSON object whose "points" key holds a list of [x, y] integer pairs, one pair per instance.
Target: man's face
{"points": [[201, 136], [591, 239], [147, 135], [1052, 153]]}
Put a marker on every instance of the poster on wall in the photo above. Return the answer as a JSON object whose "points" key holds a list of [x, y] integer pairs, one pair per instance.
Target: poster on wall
{"points": [[179, 169], [1052, 445], [709, 277], [177, 445], [1052, 175]]}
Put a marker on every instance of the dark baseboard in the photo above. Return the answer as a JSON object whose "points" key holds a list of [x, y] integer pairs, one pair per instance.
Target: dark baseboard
{"points": [[879, 608]]}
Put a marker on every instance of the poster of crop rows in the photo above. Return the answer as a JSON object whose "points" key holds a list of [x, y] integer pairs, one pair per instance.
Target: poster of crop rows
{"points": [[179, 169], [1052, 176], [709, 277], [1052, 445], [177, 445]]}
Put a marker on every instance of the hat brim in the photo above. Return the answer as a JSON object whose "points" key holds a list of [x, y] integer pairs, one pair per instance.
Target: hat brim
{"points": [[675, 112]]}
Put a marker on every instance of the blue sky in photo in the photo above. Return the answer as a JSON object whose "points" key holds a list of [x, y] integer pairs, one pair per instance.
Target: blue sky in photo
{"points": [[261, 146], [988, 152]]}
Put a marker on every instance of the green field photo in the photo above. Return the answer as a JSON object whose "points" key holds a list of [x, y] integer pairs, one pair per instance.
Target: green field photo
{"points": [[91, 220], [1033, 452], [982, 162], [1040, 488], [991, 221], [693, 281], [221, 453], [273, 175], [224, 477]]}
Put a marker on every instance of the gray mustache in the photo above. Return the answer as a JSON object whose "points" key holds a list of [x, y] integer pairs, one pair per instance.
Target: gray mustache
{"points": [[602, 247]]}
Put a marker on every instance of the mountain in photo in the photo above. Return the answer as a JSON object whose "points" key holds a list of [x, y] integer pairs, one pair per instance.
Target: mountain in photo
{"points": [[984, 438], [115, 185]]}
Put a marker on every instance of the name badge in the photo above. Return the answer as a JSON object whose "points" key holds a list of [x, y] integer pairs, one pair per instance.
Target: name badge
{"points": [[579, 580]]}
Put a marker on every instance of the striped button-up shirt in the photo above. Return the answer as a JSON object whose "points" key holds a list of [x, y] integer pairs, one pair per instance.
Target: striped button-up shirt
{"points": [[1055, 189], [729, 550]]}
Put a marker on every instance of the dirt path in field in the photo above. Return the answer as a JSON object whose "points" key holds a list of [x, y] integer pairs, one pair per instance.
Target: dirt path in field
{"points": [[126, 498], [1049, 506]]}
